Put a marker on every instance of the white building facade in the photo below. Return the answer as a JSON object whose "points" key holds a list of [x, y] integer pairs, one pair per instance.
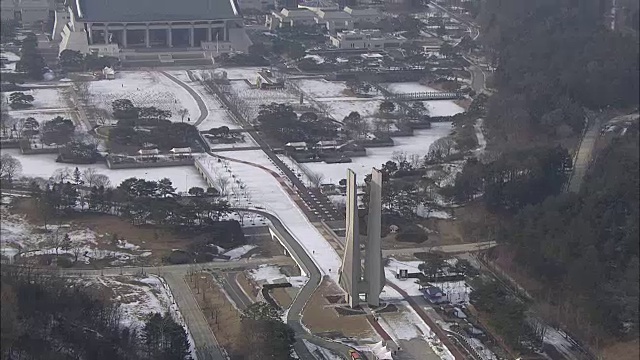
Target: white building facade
{"points": [[366, 39], [106, 28], [27, 11]]}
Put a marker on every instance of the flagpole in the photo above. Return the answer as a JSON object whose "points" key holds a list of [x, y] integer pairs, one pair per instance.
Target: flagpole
{"points": [[217, 39]]}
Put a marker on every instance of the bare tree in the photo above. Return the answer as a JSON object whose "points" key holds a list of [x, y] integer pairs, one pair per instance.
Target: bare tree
{"points": [[399, 156], [88, 175], [315, 178], [222, 181], [102, 180], [442, 147], [10, 167], [183, 112], [62, 175]]}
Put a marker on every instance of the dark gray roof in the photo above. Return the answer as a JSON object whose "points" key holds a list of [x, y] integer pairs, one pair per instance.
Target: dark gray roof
{"points": [[154, 10]]}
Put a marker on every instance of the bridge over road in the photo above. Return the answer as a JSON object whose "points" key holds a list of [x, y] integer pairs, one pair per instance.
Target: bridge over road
{"points": [[427, 95]]}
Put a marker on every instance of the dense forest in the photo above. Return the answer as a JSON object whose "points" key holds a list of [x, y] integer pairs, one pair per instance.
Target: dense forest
{"points": [[557, 63], [554, 58], [584, 247]]}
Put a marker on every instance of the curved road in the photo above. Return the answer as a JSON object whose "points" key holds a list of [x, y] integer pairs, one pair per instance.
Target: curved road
{"points": [[204, 112]]}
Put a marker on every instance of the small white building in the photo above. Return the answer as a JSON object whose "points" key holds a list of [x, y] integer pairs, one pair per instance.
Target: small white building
{"points": [[296, 145], [327, 145], [334, 20], [290, 18], [366, 39], [108, 73], [148, 153]]}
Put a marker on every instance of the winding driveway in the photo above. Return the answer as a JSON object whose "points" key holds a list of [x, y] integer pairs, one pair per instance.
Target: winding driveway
{"points": [[204, 112]]}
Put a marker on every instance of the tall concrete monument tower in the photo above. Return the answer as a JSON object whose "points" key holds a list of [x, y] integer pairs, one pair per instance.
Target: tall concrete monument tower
{"points": [[353, 280]]}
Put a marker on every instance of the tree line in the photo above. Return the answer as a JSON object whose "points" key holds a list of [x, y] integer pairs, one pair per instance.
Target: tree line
{"points": [[137, 200]]}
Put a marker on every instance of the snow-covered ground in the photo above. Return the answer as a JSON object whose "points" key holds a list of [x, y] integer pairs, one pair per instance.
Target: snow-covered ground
{"points": [[267, 274], [321, 88], [266, 192], [238, 252], [326, 354], [144, 88], [340, 107], [44, 166], [253, 98], [218, 116], [40, 115], [18, 235], [417, 144]]}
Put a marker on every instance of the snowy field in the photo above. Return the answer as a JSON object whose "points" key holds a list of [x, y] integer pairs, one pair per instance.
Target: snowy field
{"points": [[265, 192], [340, 107], [45, 165], [321, 88], [218, 116], [417, 144], [18, 235], [253, 98], [144, 88], [41, 116]]}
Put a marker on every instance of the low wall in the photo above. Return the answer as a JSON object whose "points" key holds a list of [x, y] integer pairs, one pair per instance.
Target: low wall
{"points": [[32, 151], [142, 165]]}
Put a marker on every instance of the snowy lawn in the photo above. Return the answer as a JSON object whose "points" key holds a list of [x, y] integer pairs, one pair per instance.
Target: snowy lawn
{"points": [[417, 144], [46, 98], [218, 116], [340, 107], [322, 88], [45, 165], [41, 116], [144, 88], [263, 191], [253, 98]]}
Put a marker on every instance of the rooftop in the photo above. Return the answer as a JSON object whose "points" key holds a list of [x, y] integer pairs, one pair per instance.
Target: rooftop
{"points": [[361, 11], [333, 15], [154, 10], [298, 13]]}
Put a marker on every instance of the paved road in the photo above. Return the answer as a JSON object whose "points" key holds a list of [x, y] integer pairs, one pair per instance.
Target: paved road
{"points": [[204, 112], [583, 157], [457, 248], [181, 269], [294, 316], [194, 317], [231, 286]]}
